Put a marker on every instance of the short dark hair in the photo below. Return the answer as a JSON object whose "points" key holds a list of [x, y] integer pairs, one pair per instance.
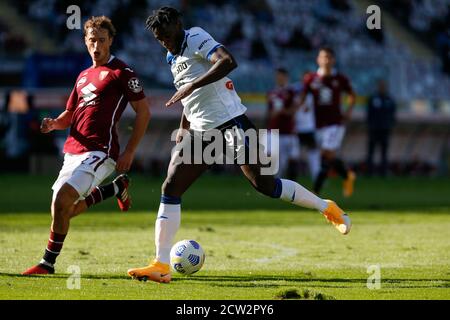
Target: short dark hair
{"points": [[282, 70], [328, 50], [164, 15]]}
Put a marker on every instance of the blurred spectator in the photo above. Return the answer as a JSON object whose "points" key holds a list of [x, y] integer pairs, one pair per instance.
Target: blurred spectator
{"points": [[22, 131], [443, 45], [258, 50], [380, 121], [299, 40], [235, 33], [14, 44], [376, 34], [274, 31], [4, 127], [341, 5], [260, 10]]}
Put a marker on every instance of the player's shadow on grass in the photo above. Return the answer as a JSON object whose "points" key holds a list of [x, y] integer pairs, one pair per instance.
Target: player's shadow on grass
{"points": [[67, 275], [253, 281], [266, 281]]}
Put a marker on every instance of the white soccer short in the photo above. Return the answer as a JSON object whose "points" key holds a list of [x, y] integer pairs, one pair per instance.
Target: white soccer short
{"points": [[330, 138], [281, 149], [84, 172], [287, 144]]}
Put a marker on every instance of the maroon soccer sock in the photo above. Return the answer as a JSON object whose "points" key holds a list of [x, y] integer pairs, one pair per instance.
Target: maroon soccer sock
{"points": [[54, 246]]}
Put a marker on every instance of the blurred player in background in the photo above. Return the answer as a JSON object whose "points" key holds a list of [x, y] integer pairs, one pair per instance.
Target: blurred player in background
{"points": [[200, 66], [381, 111], [305, 128], [92, 152], [326, 86], [280, 114]]}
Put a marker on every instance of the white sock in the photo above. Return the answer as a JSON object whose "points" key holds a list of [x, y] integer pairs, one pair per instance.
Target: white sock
{"points": [[293, 192], [166, 226], [314, 162]]}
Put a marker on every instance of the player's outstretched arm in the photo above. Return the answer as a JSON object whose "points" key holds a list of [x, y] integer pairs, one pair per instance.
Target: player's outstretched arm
{"points": [[223, 63], [141, 121], [62, 122]]}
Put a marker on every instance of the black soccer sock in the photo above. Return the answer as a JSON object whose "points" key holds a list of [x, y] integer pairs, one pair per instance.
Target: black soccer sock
{"points": [[100, 193], [340, 168], [292, 170], [321, 177]]}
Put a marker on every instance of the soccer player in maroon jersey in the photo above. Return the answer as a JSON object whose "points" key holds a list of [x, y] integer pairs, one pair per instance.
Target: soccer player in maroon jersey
{"points": [[280, 112], [327, 85], [98, 99]]}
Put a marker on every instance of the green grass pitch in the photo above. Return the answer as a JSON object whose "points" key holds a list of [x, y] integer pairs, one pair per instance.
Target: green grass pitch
{"points": [[256, 248]]}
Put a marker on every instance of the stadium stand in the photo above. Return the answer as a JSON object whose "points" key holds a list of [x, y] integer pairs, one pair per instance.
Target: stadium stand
{"points": [[262, 35], [430, 20]]}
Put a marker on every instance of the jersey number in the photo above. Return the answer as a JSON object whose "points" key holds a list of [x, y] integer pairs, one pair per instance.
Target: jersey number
{"points": [[88, 92], [93, 159]]}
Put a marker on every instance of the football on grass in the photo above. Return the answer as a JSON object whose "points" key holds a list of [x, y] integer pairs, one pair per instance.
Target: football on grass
{"points": [[187, 257]]}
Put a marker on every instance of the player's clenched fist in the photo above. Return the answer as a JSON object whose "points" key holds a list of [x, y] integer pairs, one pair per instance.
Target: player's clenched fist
{"points": [[47, 125]]}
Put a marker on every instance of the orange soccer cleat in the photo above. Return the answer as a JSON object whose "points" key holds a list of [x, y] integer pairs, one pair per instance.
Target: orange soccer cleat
{"points": [[337, 217], [348, 184], [156, 271]]}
